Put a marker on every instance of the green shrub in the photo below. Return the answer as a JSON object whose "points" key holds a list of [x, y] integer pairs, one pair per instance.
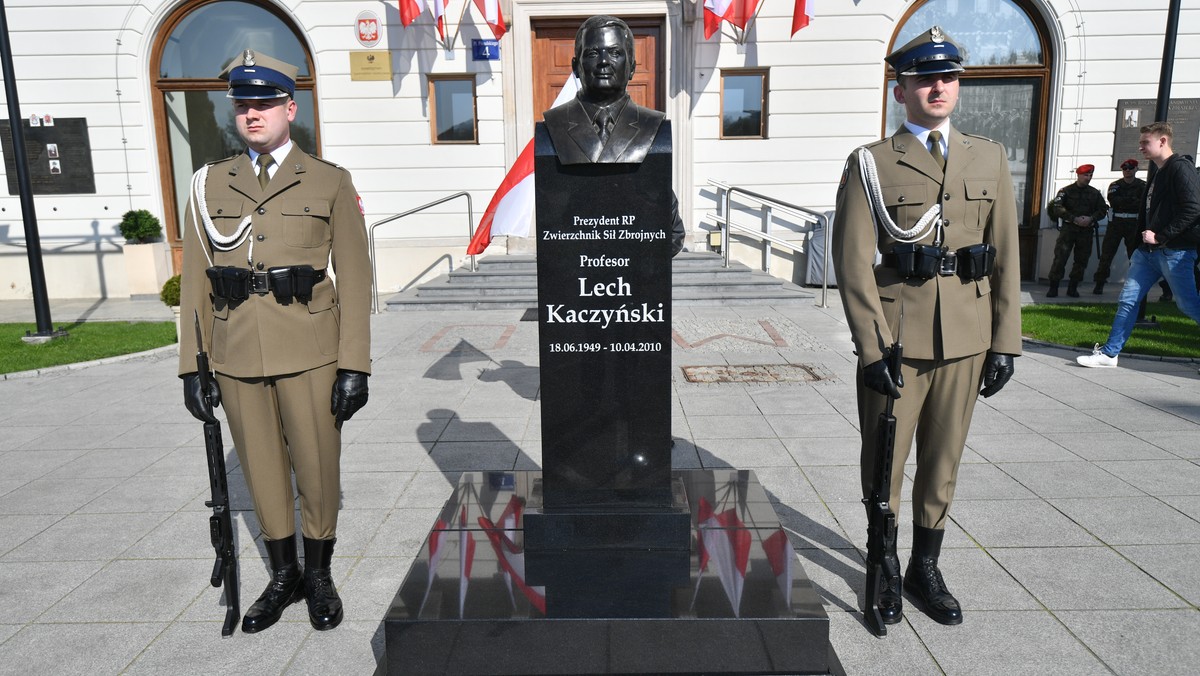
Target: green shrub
{"points": [[170, 292], [140, 226]]}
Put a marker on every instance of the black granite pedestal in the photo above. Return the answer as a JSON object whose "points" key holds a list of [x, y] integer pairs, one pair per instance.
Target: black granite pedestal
{"points": [[466, 607]]}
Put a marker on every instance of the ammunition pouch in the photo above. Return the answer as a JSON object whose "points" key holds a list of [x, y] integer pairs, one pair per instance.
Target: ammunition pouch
{"points": [[919, 261], [235, 284]]}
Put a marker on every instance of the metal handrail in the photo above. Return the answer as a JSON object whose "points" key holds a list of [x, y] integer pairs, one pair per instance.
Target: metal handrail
{"points": [[410, 212], [768, 203]]}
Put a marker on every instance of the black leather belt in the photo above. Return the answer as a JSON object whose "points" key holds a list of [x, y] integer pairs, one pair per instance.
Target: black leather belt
{"points": [[261, 283], [947, 261]]}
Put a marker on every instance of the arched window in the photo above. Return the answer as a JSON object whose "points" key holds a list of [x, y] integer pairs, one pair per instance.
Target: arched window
{"points": [[1003, 94], [192, 117]]}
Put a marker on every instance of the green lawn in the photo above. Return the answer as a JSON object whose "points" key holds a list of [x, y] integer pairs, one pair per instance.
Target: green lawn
{"points": [[1085, 324], [85, 341]]}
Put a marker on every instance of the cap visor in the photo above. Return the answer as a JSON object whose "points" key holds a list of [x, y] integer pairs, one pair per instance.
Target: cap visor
{"points": [[254, 92]]}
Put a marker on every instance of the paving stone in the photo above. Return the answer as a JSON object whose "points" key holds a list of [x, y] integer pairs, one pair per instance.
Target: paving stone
{"points": [[744, 453], [53, 496], [133, 591], [1076, 479], [1173, 565], [1116, 445], [83, 649], [1158, 477], [1018, 523], [1130, 521], [1160, 642], [185, 645], [1084, 578], [27, 588]]}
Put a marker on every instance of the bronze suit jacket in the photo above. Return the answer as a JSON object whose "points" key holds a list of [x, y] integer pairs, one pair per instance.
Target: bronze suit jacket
{"points": [[944, 317], [576, 141], [308, 215]]}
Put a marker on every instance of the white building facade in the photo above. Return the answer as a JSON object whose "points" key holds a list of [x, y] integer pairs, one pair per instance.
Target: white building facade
{"points": [[414, 122]]}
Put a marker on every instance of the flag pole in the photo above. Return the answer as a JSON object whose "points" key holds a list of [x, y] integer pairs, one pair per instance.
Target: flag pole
{"points": [[463, 13]]}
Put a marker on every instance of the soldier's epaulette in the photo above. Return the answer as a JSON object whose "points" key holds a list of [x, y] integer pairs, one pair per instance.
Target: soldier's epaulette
{"points": [[224, 159], [322, 160], [981, 138]]}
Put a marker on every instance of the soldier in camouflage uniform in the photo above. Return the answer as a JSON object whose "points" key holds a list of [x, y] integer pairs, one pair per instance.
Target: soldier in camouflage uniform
{"points": [[1125, 197], [1080, 206]]}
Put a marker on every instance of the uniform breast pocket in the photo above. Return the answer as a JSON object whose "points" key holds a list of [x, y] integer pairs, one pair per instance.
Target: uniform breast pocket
{"points": [[225, 215], [305, 223], [905, 203], [980, 195]]}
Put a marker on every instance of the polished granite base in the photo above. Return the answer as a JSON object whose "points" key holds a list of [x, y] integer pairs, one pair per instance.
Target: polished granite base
{"points": [[735, 602]]}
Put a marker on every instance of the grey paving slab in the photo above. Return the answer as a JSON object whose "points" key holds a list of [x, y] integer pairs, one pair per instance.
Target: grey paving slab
{"points": [[1068, 479], [744, 453], [837, 576], [1018, 523], [185, 646], [403, 533], [401, 430], [357, 647], [730, 427], [16, 529], [825, 450], [1085, 578], [1184, 443], [813, 426], [134, 591], [151, 494], [369, 490], [1173, 565], [75, 436], [861, 654], [53, 496], [1187, 504], [1028, 447], [78, 649], [463, 456], [487, 429], [1152, 642], [370, 586], [1142, 417], [28, 588], [1130, 520], [25, 466], [981, 481], [90, 537], [1004, 642], [1158, 477], [16, 436], [1116, 445], [787, 485]]}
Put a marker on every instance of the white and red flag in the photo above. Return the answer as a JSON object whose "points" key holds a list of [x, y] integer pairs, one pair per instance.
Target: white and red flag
{"points": [[802, 15], [493, 16], [511, 210], [511, 557], [722, 539], [780, 556], [437, 549], [438, 9], [466, 557], [736, 12], [410, 10]]}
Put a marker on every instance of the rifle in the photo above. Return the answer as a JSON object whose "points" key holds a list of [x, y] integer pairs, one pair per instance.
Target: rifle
{"points": [[220, 524], [881, 521]]}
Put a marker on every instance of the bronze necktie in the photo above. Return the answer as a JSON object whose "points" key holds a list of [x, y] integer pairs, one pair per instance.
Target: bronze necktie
{"points": [[935, 149], [603, 121], [264, 176]]}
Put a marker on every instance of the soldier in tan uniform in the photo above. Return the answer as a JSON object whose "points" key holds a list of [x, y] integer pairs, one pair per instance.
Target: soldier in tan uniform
{"points": [[291, 350], [939, 205]]}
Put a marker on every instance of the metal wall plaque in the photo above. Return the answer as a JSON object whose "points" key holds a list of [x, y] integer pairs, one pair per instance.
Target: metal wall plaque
{"points": [[57, 152], [371, 65], [1133, 114]]}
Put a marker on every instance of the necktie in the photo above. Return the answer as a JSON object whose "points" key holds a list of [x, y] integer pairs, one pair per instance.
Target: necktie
{"points": [[264, 176], [603, 121], [935, 148]]}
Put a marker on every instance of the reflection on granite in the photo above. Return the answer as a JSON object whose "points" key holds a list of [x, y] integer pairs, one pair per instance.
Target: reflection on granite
{"points": [[466, 601]]}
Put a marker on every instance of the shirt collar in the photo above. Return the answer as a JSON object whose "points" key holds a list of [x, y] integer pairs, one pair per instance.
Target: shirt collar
{"points": [[922, 133], [278, 154]]}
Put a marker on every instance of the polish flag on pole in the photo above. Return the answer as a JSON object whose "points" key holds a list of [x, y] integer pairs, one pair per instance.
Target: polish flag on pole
{"points": [[438, 9], [736, 12], [723, 540], [802, 15], [493, 16], [511, 560], [511, 210], [437, 548], [410, 10]]}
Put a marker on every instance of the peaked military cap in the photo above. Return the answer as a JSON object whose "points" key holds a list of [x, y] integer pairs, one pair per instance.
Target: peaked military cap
{"points": [[1129, 164], [930, 52], [254, 75]]}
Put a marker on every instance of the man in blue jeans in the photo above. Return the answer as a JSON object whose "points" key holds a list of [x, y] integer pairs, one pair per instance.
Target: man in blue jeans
{"points": [[1168, 221]]}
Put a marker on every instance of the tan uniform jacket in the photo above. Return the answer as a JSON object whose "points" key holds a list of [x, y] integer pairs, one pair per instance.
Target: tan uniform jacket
{"points": [[308, 215], [944, 317]]}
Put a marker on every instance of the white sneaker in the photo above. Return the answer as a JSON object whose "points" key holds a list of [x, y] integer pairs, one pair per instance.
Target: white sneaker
{"points": [[1097, 360]]}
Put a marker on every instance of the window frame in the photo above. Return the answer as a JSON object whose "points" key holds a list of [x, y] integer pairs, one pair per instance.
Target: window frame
{"points": [[763, 126], [432, 80]]}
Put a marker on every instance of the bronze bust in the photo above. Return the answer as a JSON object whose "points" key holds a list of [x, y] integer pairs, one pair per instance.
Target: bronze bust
{"points": [[601, 124]]}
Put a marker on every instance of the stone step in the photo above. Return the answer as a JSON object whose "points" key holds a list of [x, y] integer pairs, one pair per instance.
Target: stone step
{"points": [[511, 282]]}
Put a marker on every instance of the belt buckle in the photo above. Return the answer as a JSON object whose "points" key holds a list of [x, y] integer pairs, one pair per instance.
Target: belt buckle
{"points": [[948, 265], [260, 283]]}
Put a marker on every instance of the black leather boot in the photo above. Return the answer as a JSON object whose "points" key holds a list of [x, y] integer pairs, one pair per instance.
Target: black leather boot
{"points": [[891, 601], [924, 581], [1052, 292], [1073, 289], [324, 604], [1099, 289], [284, 589]]}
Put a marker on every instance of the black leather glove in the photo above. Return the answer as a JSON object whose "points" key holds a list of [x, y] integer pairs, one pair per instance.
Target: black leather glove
{"points": [[878, 377], [996, 371], [194, 397], [349, 394]]}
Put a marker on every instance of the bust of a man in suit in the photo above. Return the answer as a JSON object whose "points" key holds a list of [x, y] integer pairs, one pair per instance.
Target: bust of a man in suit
{"points": [[601, 124]]}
